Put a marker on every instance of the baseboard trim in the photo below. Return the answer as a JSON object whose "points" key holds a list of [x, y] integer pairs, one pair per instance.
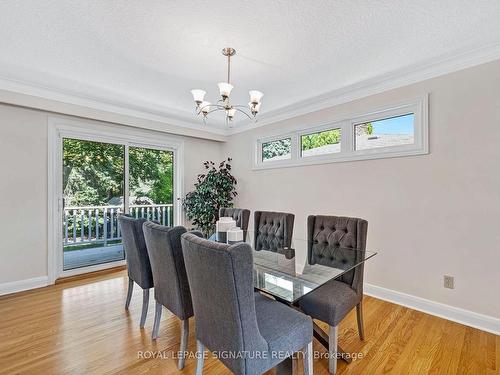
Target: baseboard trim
{"points": [[455, 314], [21, 285], [83, 276]]}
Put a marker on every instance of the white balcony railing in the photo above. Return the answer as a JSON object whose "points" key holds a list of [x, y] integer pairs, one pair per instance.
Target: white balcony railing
{"points": [[99, 224]]}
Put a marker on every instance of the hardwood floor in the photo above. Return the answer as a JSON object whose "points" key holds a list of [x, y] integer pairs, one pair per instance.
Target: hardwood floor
{"points": [[81, 327]]}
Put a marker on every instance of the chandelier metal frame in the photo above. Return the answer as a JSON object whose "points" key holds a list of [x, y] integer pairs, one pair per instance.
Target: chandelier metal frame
{"points": [[223, 104]]}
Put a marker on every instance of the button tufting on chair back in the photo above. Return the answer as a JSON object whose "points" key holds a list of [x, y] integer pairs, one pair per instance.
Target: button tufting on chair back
{"points": [[330, 242], [327, 235], [273, 230]]}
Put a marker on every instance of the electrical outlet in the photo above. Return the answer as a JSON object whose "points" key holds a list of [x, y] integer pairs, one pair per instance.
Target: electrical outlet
{"points": [[449, 282]]}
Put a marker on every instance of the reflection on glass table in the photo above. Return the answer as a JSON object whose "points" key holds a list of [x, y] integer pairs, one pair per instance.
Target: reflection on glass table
{"points": [[289, 273]]}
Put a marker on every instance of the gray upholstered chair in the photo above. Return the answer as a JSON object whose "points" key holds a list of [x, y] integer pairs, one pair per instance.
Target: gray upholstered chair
{"points": [[231, 318], [331, 302], [240, 215], [272, 230], [169, 276], [138, 266]]}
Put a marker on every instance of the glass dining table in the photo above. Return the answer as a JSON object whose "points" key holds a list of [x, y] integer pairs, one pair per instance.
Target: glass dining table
{"points": [[289, 271]]}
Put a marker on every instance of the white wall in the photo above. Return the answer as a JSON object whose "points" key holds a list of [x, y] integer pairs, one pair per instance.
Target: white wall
{"points": [[23, 189], [23, 194], [428, 215]]}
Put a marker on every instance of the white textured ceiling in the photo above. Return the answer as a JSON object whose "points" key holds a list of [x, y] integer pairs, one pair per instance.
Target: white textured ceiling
{"points": [[151, 53]]}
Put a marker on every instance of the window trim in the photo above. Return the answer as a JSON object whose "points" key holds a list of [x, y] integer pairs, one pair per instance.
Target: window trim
{"points": [[261, 142], [418, 106]]}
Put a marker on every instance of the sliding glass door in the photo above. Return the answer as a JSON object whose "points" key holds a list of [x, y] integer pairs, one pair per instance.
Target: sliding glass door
{"points": [[151, 184], [102, 180]]}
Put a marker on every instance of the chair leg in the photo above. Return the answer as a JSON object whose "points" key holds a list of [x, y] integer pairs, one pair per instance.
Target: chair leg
{"points": [[156, 324], [308, 359], [359, 314], [145, 303], [129, 293], [184, 340], [295, 366], [332, 351], [200, 354]]}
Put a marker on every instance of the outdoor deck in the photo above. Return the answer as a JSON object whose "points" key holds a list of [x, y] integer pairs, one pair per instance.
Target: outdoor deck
{"points": [[96, 231], [90, 257]]}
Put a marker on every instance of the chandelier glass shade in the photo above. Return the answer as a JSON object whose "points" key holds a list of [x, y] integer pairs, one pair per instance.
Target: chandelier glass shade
{"points": [[204, 107]]}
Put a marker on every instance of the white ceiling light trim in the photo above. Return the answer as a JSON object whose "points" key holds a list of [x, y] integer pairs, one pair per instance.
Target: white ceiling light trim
{"points": [[98, 102], [148, 57], [416, 73]]}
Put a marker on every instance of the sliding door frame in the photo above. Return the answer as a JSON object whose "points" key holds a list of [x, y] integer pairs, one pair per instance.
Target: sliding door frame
{"points": [[60, 128]]}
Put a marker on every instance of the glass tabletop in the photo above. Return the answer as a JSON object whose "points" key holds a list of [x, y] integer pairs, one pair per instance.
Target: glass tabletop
{"points": [[288, 271]]}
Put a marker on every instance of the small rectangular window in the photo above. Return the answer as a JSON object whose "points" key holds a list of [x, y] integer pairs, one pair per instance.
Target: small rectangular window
{"points": [[388, 132], [320, 143], [280, 149], [396, 130]]}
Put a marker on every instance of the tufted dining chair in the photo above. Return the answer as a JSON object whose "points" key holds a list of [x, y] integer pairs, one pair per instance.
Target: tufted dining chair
{"points": [[240, 215], [138, 265], [330, 303], [273, 230], [169, 276], [231, 318]]}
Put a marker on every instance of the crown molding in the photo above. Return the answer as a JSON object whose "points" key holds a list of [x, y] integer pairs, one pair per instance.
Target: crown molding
{"points": [[100, 102], [446, 64], [442, 65]]}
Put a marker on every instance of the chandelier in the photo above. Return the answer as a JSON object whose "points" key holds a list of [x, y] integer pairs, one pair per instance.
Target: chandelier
{"points": [[223, 104]]}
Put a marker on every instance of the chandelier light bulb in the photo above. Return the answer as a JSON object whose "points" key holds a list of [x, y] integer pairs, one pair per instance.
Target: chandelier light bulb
{"points": [[198, 95], [255, 108], [255, 96], [205, 107], [230, 113], [225, 89]]}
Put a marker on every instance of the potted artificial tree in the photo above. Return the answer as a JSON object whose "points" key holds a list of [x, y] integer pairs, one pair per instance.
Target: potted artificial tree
{"points": [[214, 189]]}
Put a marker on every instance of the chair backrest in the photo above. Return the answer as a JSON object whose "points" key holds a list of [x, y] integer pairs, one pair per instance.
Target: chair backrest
{"points": [[326, 234], [273, 230], [240, 215], [136, 254], [167, 264], [221, 281]]}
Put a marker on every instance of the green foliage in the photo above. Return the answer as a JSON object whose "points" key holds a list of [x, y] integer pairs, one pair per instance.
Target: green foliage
{"points": [[214, 189], [365, 128], [276, 148], [151, 174], [94, 173], [315, 140]]}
